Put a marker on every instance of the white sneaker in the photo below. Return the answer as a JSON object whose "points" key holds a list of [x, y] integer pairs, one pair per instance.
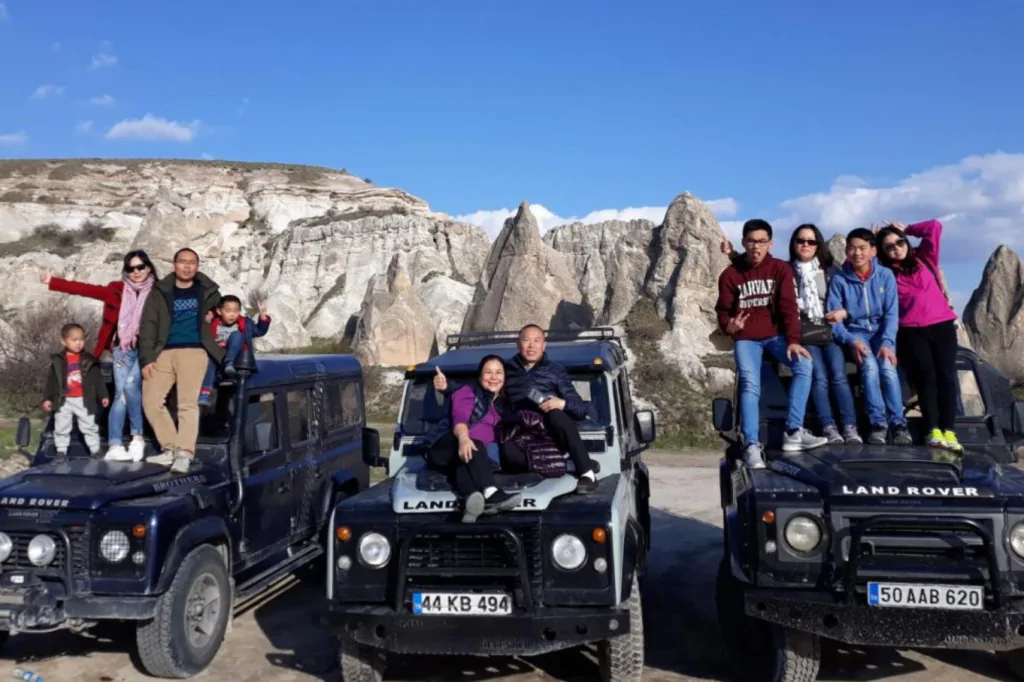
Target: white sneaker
{"points": [[165, 458], [801, 439], [181, 465], [136, 450], [117, 453], [753, 456]]}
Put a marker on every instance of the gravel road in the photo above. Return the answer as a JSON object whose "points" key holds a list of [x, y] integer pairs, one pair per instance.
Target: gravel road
{"points": [[275, 642]]}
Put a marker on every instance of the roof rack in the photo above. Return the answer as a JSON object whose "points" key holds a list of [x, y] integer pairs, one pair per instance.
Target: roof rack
{"points": [[469, 339]]}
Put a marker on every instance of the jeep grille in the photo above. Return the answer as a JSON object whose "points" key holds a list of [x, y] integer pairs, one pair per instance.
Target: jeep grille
{"points": [[19, 552]]}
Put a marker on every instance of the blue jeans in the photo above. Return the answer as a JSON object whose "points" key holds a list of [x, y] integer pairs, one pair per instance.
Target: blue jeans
{"points": [[127, 395], [883, 394], [830, 370], [236, 342], [749, 355]]}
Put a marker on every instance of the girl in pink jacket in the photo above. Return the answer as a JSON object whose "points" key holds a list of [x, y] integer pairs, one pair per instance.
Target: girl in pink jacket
{"points": [[926, 342]]}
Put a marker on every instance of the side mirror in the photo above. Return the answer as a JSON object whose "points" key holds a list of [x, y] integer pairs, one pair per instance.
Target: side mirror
{"points": [[24, 434], [721, 415], [1017, 420], [644, 426], [371, 448]]}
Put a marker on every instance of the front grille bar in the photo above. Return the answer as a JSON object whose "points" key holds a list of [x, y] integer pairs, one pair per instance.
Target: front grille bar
{"points": [[920, 523]]}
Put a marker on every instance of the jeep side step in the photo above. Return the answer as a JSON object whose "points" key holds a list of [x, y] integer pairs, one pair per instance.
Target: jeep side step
{"points": [[262, 580]]}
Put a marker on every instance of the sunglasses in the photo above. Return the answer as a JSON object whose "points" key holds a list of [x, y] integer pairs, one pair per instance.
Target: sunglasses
{"points": [[892, 246], [135, 268], [806, 242]]}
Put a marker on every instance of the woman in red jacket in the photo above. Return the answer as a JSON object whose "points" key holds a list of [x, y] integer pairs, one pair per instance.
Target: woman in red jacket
{"points": [[122, 307]]}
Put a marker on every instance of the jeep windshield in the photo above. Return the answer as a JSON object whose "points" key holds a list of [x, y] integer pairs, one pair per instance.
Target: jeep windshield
{"points": [[421, 410]]}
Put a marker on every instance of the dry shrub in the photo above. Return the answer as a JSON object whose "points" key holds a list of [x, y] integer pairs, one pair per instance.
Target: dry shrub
{"points": [[26, 343]]}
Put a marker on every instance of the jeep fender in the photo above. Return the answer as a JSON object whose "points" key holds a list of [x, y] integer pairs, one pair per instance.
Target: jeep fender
{"points": [[211, 530], [643, 502], [344, 483], [632, 558]]}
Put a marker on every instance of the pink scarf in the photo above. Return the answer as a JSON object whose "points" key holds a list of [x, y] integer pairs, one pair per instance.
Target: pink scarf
{"points": [[132, 300]]}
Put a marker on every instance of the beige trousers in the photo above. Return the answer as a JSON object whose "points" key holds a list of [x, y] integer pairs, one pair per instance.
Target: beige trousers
{"points": [[184, 367]]}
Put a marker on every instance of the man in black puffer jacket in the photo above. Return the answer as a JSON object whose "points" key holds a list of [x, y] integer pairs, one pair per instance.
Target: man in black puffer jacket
{"points": [[533, 382]]}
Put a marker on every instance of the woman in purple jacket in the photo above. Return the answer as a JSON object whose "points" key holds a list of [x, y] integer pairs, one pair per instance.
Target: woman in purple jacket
{"points": [[469, 451], [926, 343]]}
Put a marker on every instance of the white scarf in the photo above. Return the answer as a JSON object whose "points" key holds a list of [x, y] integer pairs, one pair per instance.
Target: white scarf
{"points": [[807, 295]]}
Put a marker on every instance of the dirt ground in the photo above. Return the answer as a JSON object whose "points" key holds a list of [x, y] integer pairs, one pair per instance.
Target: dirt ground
{"points": [[277, 641]]}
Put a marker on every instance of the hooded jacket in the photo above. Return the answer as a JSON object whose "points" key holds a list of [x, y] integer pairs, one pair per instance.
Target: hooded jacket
{"points": [[155, 324], [872, 306], [94, 387], [922, 301]]}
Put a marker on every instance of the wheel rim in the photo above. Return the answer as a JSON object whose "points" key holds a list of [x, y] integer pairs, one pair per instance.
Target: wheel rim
{"points": [[202, 611]]}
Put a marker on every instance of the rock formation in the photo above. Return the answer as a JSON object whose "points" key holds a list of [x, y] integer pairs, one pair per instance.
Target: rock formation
{"points": [[525, 281], [394, 326], [993, 317]]}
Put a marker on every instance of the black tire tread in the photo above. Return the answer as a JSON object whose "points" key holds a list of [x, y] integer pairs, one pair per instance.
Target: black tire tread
{"points": [[359, 663], [153, 638], [1014, 660], [799, 655], [622, 658]]}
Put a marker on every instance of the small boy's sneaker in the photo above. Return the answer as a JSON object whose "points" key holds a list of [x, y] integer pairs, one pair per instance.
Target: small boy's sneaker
{"points": [[117, 453], [801, 439], [952, 443], [850, 434], [878, 435], [204, 398], [832, 434], [900, 436], [937, 440], [136, 450], [165, 458], [753, 456]]}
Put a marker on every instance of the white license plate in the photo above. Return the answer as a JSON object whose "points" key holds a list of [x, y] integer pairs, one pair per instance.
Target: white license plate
{"points": [[919, 596], [461, 604]]}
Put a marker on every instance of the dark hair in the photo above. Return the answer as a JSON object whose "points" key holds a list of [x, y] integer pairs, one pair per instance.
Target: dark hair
{"points": [[756, 224], [66, 330], [183, 250], [824, 257], [862, 233], [910, 264], [500, 400], [529, 326], [230, 298], [142, 256]]}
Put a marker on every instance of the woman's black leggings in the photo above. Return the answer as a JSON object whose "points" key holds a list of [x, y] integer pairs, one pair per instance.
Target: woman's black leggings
{"points": [[478, 474], [929, 354]]}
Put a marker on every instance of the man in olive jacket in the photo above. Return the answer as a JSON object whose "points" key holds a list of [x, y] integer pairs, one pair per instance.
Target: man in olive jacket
{"points": [[175, 342]]}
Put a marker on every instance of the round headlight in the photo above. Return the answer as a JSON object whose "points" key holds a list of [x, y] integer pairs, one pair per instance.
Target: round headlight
{"points": [[374, 550], [114, 546], [1016, 540], [41, 550], [5, 547], [802, 533], [568, 552]]}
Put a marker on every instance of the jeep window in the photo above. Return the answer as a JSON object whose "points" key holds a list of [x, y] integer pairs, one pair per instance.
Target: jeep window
{"points": [[260, 410], [421, 410], [970, 402], [299, 422], [341, 405], [214, 423]]}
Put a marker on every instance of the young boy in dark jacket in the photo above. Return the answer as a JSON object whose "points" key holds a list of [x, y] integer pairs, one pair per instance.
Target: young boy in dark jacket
{"points": [[232, 332], [75, 389]]}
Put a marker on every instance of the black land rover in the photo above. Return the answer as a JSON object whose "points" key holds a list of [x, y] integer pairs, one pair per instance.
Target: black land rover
{"points": [[559, 570], [908, 547], [88, 541]]}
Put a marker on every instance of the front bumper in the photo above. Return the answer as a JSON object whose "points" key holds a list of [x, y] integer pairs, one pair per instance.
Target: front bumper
{"points": [[998, 629], [525, 634], [35, 609]]}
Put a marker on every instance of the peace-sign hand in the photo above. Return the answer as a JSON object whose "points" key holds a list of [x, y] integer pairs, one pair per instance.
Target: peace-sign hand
{"points": [[263, 310], [737, 323], [726, 246]]}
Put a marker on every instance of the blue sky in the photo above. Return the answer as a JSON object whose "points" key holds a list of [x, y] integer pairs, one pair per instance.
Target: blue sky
{"points": [[835, 112]]}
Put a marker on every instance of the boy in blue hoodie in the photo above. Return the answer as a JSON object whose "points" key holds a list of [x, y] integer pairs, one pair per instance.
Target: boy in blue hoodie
{"points": [[867, 292]]}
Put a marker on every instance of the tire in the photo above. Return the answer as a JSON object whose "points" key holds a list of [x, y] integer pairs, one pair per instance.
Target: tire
{"points": [[621, 658], [168, 646], [359, 663], [762, 651], [1014, 660], [4, 636]]}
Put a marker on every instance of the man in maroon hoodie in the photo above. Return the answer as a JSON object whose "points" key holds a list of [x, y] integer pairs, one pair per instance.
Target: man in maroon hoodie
{"points": [[757, 307]]}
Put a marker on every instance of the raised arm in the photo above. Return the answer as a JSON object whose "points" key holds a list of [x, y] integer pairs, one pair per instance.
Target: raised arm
{"points": [[930, 233], [64, 286], [726, 300]]}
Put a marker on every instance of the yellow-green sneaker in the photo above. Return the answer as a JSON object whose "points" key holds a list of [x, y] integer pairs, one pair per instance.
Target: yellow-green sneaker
{"points": [[936, 439], [952, 443]]}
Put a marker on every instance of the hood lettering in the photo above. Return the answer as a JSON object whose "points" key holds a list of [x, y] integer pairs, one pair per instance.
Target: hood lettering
{"points": [[450, 505], [41, 502], [910, 491]]}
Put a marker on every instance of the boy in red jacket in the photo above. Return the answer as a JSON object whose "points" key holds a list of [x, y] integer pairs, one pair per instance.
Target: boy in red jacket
{"points": [[233, 332], [757, 307]]}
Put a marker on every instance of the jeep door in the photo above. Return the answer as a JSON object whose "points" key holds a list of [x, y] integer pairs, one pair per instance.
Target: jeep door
{"points": [[303, 445], [267, 505]]}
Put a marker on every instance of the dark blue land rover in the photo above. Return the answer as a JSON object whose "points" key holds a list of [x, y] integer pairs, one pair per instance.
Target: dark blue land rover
{"points": [[89, 540]]}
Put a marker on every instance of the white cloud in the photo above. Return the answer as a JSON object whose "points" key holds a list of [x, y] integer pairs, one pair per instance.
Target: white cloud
{"points": [[102, 60], [83, 127], [48, 91], [103, 101], [4, 14], [493, 220], [153, 128], [11, 139]]}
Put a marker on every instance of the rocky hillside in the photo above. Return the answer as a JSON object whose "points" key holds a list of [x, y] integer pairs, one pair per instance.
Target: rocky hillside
{"points": [[994, 318]]}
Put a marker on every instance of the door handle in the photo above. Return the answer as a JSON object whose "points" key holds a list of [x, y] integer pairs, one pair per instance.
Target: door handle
{"points": [[318, 473], [283, 487]]}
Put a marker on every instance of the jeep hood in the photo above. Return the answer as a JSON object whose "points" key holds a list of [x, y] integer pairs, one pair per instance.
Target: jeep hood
{"points": [[87, 484], [894, 471], [423, 491]]}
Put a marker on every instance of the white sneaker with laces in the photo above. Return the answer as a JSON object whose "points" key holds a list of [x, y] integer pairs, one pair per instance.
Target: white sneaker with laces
{"points": [[136, 450], [165, 458], [753, 456], [801, 439], [117, 453]]}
